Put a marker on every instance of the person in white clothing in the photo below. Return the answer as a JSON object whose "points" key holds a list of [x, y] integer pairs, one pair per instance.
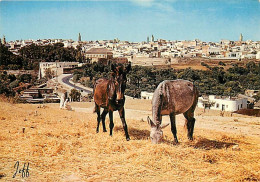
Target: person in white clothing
{"points": [[63, 100]]}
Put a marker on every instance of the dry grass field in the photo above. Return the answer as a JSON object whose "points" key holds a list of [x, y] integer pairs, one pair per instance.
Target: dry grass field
{"points": [[62, 145]]}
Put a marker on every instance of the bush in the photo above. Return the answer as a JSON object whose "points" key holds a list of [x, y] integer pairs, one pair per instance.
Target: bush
{"points": [[221, 63], [75, 95]]}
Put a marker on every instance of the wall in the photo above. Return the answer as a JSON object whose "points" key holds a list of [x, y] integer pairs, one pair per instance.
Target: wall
{"points": [[144, 61]]}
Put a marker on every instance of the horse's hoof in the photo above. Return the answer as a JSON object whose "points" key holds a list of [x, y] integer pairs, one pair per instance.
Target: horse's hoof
{"points": [[97, 131], [104, 130], [127, 139]]}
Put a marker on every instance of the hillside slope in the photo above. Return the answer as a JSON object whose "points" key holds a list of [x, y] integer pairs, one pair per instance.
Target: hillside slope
{"points": [[62, 145]]}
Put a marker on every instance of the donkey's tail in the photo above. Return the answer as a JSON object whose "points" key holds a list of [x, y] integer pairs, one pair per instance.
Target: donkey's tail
{"points": [[94, 87], [94, 84], [95, 109]]}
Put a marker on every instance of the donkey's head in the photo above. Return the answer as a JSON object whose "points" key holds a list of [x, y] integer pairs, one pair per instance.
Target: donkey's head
{"points": [[119, 77], [156, 134]]}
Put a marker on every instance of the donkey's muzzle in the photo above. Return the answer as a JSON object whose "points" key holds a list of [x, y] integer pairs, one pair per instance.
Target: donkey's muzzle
{"points": [[119, 101]]}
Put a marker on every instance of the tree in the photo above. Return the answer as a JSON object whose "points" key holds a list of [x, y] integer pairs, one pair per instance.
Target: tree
{"points": [[257, 97], [75, 95], [221, 63], [208, 104], [49, 73]]}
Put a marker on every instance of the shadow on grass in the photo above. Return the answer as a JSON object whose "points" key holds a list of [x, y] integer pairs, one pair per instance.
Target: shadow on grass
{"points": [[142, 134], [203, 143], [207, 144], [2, 175], [134, 133]]}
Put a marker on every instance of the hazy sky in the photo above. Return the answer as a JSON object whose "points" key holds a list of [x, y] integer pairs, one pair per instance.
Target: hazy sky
{"points": [[133, 20]]}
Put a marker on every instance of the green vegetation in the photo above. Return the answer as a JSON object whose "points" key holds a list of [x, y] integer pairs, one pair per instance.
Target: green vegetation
{"points": [[28, 59], [75, 95], [214, 81], [8, 60], [30, 56], [11, 84]]}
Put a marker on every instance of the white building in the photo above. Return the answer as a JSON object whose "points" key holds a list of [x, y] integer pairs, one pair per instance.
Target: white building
{"points": [[249, 56], [234, 55], [214, 50], [146, 95], [223, 104], [56, 67]]}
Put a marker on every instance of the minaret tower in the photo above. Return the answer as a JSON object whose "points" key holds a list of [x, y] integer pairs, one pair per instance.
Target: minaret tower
{"points": [[79, 38], [4, 41], [241, 38]]}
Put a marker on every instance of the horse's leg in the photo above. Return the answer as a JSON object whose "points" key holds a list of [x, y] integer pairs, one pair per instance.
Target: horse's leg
{"points": [[98, 116], [122, 116], [111, 124], [189, 123], [173, 127], [103, 117]]}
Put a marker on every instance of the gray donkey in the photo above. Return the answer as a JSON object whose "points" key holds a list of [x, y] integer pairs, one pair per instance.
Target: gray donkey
{"points": [[173, 97]]}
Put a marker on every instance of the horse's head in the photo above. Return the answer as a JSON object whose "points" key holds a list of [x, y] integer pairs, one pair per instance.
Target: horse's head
{"points": [[119, 77], [156, 134]]}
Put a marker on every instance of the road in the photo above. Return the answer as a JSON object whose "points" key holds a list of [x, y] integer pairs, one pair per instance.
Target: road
{"points": [[65, 79]]}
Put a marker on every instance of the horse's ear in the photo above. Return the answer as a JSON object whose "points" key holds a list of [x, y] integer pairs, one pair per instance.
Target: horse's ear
{"points": [[150, 122], [128, 68]]}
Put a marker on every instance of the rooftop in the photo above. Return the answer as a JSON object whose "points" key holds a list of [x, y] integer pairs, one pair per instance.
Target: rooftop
{"points": [[99, 51]]}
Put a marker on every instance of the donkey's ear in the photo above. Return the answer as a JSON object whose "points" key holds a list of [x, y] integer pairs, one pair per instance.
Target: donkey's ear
{"points": [[164, 125], [113, 68], [128, 68], [150, 122]]}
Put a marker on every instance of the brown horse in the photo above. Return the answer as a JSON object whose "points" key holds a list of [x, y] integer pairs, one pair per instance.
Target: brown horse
{"points": [[173, 97], [109, 94]]}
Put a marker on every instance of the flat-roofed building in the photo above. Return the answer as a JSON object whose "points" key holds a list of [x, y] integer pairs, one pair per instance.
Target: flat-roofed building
{"points": [[96, 53], [222, 103]]}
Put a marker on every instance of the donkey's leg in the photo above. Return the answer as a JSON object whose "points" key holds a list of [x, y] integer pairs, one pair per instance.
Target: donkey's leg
{"points": [[98, 116], [103, 117], [111, 124], [173, 127], [189, 123], [122, 116]]}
